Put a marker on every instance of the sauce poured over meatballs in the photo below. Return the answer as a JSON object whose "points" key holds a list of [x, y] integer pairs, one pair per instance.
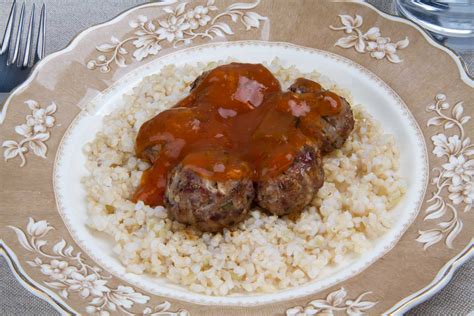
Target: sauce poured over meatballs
{"points": [[237, 127]]}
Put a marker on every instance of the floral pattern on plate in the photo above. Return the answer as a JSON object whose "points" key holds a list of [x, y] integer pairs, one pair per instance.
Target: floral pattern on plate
{"points": [[455, 177], [371, 41], [180, 26], [35, 132], [68, 272], [335, 302]]}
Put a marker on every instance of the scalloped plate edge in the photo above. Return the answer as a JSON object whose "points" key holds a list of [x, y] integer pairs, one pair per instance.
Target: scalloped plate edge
{"points": [[31, 285], [439, 282]]}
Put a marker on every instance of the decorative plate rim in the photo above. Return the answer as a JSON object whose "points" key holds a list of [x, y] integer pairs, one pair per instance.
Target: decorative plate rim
{"points": [[30, 284], [441, 279]]}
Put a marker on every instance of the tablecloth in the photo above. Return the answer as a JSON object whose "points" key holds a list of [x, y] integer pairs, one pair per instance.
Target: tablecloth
{"points": [[66, 18]]}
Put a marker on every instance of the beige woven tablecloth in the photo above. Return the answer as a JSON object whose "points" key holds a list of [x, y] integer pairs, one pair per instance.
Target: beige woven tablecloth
{"points": [[66, 18]]}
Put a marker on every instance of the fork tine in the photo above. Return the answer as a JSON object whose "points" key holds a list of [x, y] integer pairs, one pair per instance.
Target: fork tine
{"points": [[41, 35], [29, 41], [9, 30], [18, 36]]}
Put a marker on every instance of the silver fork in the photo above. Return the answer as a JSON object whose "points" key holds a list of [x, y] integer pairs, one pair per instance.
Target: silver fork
{"points": [[15, 65]]}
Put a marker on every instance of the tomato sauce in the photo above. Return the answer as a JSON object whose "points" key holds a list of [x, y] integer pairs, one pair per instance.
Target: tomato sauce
{"points": [[236, 123]]}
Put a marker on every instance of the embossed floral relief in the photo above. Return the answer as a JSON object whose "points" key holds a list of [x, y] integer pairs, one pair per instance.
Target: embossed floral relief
{"points": [[371, 41], [336, 301], [34, 132], [454, 180], [181, 26], [68, 273]]}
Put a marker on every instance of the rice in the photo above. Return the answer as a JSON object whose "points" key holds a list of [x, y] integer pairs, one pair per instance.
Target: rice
{"points": [[264, 253]]}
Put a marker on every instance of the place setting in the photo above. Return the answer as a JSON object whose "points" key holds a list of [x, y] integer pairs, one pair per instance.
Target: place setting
{"points": [[236, 158]]}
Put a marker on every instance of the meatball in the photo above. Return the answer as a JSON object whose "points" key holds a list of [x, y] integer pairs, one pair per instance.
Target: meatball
{"points": [[206, 204], [336, 128], [303, 85], [292, 190]]}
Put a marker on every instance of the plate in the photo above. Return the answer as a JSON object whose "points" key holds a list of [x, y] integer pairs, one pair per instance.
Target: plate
{"points": [[386, 64]]}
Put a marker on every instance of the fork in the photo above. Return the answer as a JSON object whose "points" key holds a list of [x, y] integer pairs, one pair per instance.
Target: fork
{"points": [[15, 66]]}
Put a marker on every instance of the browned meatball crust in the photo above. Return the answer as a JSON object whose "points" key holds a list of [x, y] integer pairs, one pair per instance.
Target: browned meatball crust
{"points": [[294, 189], [208, 205], [336, 128]]}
